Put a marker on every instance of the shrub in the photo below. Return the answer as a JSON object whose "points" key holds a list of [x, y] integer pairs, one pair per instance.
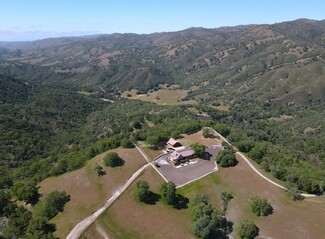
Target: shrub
{"points": [[199, 149], [226, 158], [142, 192], [246, 229], [52, 205], [208, 222], [168, 193], [113, 160], [206, 133], [126, 143], [260, 206]]}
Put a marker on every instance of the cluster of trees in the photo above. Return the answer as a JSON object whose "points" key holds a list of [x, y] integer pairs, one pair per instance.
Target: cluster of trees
{"points": [[226, 158], [208, 222], [259, 206], [23, 223]]}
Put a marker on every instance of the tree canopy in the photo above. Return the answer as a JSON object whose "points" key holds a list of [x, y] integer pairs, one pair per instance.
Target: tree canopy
{"points": [[168, 193], [246, 229], [226, 158], [112, 159], [199, 149], [142, 192], [260, 206]]}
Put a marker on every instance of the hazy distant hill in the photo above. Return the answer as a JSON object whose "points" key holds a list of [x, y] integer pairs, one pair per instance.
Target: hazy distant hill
{"points": [[271, 62], [279, 61]]}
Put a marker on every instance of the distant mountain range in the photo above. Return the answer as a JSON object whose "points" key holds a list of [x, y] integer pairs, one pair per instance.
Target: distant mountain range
{"points": [[282, 62]]}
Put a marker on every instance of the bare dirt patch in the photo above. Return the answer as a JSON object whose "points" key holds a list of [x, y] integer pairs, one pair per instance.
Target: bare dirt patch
{"points": [[88, 191], [127, 218]]}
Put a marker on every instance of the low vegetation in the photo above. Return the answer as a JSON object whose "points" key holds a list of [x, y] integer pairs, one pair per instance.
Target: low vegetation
{"points": [[226, 158], [199, 149], [225, 199], [142, 192], [246, 229], [208, 222], [23, 223], [112, 159], [260, 206], [168, 193]]}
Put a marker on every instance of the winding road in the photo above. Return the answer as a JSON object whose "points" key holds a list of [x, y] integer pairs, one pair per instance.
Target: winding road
{"points": [[254, 168], [77, 231]]}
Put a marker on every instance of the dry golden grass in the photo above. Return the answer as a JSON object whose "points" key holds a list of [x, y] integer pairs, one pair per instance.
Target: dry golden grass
{"points": [[161, 97], [127, 218], [198, 138], [221, 107], [302, 219], [88, 191], [130, 219], [151, 153]]}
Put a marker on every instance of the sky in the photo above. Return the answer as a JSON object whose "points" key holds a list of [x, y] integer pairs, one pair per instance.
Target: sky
{"points": [[22, 20]]}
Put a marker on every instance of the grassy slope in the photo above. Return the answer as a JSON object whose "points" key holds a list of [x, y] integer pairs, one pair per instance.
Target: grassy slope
{"points": [[87, 190], [141, 220], [161, 97], [291, 219]]}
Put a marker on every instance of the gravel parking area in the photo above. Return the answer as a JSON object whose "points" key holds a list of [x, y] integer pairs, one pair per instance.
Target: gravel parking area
{"points": [[186, 173]]}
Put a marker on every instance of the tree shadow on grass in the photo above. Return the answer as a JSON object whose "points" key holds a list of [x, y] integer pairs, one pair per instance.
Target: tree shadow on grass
{"points": [[153, 198], [181, 202]]}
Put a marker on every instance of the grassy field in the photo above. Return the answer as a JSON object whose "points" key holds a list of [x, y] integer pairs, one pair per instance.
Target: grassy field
{"points": [[87, 190], [161, 97], [127, 218], [151, 154], [291, 219], [300, 219], [198, 138]]}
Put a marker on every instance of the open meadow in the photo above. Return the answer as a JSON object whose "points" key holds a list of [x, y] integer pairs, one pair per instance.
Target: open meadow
{"points": [[290, 219], [161, 97], [88, 191]]}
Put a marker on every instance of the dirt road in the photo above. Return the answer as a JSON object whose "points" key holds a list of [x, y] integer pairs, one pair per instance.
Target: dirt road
{"points": [[77, 231], [255, 169]]}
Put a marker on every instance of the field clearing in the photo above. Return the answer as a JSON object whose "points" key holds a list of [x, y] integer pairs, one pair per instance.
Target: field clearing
{"points": [[151, 153], [221, 107], [290, 219], [88, 191], [161, 97], [127, 218], [198, 138]]}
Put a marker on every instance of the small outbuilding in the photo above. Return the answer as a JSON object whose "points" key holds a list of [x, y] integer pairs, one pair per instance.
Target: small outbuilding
{"points": [[173, 143]]}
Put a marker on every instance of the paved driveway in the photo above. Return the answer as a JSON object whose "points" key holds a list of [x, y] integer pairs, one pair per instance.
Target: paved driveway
{"points": [[196, 169]]}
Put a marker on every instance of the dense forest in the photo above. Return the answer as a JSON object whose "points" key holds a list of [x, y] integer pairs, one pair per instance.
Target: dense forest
{"points": [[61, 104]]}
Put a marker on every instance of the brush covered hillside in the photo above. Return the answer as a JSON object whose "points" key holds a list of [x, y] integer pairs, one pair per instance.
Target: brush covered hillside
{"points": [[269, 78], [65, 100]]}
